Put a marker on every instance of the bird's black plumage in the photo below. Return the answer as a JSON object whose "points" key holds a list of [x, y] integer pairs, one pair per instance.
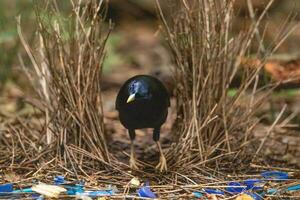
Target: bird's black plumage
{"points": [[143, 102], [150, 107]]}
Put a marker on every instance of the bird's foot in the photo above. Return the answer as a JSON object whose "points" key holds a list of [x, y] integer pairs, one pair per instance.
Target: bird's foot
{"points": [[162, 165], [133, 163]]}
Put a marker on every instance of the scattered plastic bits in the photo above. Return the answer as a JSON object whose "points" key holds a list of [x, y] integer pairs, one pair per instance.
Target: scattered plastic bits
{"points": [[98, 193], [113, 188], [275, 175], [6, 187], [213, 191], [41, 197], [252, 184], [198, 194], [48, 190], [36, 196], [243, 189], [293, 188], [235, 187], [135, 182], [25, 190], [145, 191], [74, 189], [58, 180], [272, 191]]}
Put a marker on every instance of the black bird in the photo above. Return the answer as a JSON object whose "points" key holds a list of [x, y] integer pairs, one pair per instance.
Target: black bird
{"points": [[143, 102]]}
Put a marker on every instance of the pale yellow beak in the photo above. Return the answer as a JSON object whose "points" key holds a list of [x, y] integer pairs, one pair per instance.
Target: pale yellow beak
{"points": [[131, 98]]}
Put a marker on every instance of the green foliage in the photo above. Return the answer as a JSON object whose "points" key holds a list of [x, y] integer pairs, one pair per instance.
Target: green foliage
{"points": [[65, 23], [113, 58], [232, 92], [9, 42], [287, 93]]}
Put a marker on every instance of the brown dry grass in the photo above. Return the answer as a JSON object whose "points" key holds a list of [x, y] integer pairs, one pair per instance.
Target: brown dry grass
{"points": [[66, 74], [211, 126]]}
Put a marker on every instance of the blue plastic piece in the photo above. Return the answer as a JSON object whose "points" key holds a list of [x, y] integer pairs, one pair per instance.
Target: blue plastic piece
{"points": [[272, 191], [74, 189], [145, 191], [37, 197], [213, 191], [277, 175], [58, 180], [293, 188], [235, 187], [250, 183], [26, 190], [8, 187], [40, 197], [198, 194], [98, 193]]}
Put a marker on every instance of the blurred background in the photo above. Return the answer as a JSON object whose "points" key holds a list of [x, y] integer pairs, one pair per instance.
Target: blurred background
{"points": [[136, 46]]}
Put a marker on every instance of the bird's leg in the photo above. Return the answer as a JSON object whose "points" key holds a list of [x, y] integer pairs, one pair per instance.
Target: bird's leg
{"points": [[132, 162], [162, 165]]}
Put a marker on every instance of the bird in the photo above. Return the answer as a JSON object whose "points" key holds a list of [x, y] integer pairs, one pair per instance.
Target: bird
{"points": [[142, 102]]}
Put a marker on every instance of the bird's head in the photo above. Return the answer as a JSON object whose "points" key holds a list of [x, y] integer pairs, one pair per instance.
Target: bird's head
{"points": [[138, 89]]}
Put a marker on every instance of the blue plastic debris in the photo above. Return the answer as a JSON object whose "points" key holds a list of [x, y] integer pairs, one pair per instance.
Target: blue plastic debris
{"points": [[277, 175], [272, 191], [198, 194], [74, 189], [41, 197], [145, 191], [25, 190], [8, 187], [58, 180], [252, 184], [213, 191], [235, 187], [98, 193], [37, 196], [293, 188]]}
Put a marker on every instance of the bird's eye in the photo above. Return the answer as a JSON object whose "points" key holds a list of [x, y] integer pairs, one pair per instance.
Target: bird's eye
{"points": [[131, 88], [140, 89]]}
